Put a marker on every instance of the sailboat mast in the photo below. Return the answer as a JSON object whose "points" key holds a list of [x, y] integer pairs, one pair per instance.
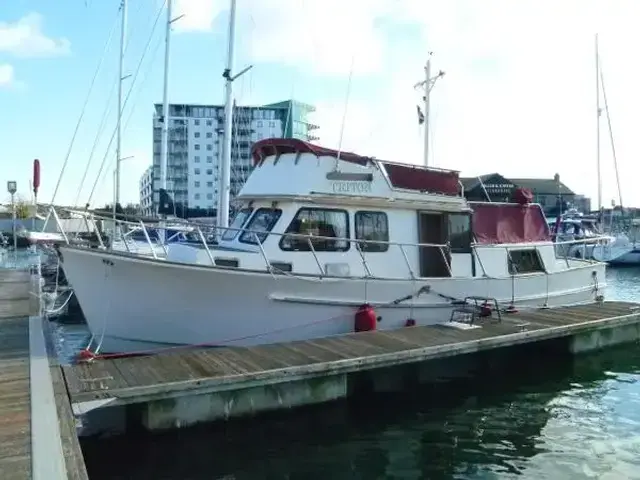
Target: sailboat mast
{"points": [[123, 28], [164, 140], [598, 112], [225, 164]]}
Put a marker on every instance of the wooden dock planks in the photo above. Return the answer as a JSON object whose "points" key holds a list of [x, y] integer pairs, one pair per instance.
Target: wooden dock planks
{"points": [[139, 379], [17, 428], [15, 417]]}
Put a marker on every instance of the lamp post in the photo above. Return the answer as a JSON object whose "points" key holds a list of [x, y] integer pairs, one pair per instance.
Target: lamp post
{"points": [[12, 188]]}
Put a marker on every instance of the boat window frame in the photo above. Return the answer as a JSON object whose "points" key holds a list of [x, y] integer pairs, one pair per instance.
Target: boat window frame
{"points": [[250, 237], [324, 209], [365, 246], [231, 235], [540, 267], [468, 248]]}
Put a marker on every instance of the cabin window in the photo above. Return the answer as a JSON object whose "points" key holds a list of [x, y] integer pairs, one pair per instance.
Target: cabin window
{"points": [[238, 221], [318, 222], [260, 224], [524, 261], [372, 226], [460, 233]]}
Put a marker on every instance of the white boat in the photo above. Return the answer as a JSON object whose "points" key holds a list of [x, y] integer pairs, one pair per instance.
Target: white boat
{"points": [[320, 234], [623, 250], [573, 225]]}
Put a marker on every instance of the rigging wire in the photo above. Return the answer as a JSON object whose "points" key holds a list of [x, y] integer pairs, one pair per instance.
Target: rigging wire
{"points": [[105, 114], [142, 82], [613, 147], [84, 106], [99, 132], [133, 81]]}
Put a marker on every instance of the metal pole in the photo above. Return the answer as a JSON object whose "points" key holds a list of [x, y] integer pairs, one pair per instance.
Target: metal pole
{"points": [[427, 91], [225, 164], [598, 111], [123, 29], [15, 237], [164, 142]]}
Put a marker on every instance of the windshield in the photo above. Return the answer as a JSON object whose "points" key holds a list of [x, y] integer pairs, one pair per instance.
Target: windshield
{"points": [[238, 221], [261, 224]]}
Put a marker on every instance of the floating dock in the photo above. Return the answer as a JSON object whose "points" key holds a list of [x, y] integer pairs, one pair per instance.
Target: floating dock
{"points": [[38, 437], [191, 386]]}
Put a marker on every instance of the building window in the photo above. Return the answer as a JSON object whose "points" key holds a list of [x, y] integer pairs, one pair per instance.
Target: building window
{"points": [[460, 233], [209, 147], [209, 171], [196, 159], [196, 134], [209, 123], [318, 222], [197, 146], [196, 122], [524, 261], [197, 196], [260, 225], [209, 159], [209, 196], [209, 134], [196, 171], [196, 184], [372, 226], [210, 184], [259, 124], [272, 124], [238, 221]]}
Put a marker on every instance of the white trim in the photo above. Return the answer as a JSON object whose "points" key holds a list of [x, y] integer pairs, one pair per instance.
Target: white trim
{"points": [[47, 455]]}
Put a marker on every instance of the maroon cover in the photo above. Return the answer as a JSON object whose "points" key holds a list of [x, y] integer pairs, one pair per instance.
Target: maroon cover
{"points": [[423, 179], [274, 146], [495, 223]]}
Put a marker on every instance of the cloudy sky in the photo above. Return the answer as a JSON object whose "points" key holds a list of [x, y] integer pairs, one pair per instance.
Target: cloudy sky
{"points": [[518, 97]]}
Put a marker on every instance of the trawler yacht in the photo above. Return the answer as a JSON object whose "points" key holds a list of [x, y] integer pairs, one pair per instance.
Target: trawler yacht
{"points": [[320, 236]]}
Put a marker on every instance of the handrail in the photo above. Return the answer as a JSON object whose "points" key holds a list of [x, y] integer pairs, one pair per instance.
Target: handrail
{"points": [[444, 249]]}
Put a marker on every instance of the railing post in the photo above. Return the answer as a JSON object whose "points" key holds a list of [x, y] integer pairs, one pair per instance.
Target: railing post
{"points": [[264, 255], [59, 223], [206, 247], [406, 260], [313, 250], [146, 235], [364, 260]]}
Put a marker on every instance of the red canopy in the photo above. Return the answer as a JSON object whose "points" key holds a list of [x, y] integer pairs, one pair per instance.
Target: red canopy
{"points": [[509, 223]]}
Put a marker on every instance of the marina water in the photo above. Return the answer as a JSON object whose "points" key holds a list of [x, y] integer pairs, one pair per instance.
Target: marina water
{"points": [[550, 419]]}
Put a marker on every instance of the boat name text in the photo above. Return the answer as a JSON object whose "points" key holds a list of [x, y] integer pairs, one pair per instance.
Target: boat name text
{"points": [[351, 187]]}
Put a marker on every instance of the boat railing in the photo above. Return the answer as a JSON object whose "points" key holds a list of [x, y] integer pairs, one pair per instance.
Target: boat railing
{"points": [[123, 228]]}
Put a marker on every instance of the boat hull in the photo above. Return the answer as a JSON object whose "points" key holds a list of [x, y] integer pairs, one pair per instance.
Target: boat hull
{"points": [[133, 303]]}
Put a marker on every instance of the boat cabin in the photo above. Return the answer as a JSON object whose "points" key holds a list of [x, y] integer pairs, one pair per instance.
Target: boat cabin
{"points": [[310, 210]]}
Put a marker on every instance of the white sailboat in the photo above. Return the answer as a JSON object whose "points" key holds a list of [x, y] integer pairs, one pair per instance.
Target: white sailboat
{"points": [[624, 248]]}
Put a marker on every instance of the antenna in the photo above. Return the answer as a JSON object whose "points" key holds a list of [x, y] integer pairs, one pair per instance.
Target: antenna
{"points": [[344, 115], [423, 117]]}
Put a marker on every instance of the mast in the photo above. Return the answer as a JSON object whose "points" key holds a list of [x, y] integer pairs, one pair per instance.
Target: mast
{"points": [[225, 164], [427, 77], [123, 28], [164, 141], [427, 84], [598, 112]]}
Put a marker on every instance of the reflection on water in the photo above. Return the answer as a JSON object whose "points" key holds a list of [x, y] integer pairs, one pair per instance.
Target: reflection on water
{"points": [[557, 419]]}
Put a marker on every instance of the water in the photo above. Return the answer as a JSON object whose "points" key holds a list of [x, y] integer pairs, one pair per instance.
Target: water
{"points": [[556, 419]]}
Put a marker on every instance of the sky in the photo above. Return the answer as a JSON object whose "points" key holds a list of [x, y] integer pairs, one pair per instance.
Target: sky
{"points": [[518, 96]]}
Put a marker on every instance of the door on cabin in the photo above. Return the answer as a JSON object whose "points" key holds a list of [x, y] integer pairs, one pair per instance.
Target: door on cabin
{"points": [[433, 228]]}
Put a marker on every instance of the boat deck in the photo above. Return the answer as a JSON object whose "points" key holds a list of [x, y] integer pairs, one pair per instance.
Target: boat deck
{"points": [[187, 372]]}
